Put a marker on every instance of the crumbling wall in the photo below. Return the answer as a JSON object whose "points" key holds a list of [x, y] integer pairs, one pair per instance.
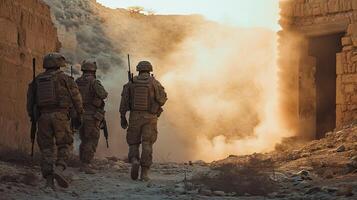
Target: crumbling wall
{"points": [[26, 32], [301, 20]]}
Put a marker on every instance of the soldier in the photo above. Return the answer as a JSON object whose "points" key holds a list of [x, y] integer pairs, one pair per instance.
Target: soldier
{"points": [[54, 93], [144, 97], [93, 94]]}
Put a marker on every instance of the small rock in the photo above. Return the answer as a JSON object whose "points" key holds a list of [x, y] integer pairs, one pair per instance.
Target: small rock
{"points": [[304, 184], [150, 184], [192, 192], [219, 193], [353, 158], [345, 191], [272, 195], [180, 190], [280, 195], [303, 173], [113, 158], [74, 194], [178, 185], [313, 190], [304, 155], [329, 134], [328, 174], [329, 189], [200, 162], [205, 192], [341, 148]]}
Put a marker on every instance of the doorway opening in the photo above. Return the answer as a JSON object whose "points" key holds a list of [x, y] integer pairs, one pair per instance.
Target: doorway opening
{"points": [[324, 49]]}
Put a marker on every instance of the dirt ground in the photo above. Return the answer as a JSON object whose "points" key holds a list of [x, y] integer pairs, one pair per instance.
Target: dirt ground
{"points": [[321, 169]]}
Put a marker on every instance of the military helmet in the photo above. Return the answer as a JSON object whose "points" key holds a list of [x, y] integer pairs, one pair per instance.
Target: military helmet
{"points": [[54, 60], [144, 66], [88, 65]]}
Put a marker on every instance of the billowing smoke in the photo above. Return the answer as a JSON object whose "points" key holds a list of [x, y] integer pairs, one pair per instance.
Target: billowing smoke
{"points": [[221, 82]]}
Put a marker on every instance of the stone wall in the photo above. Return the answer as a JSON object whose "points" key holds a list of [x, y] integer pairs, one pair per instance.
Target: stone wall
{"points": [[26, 32], [302, 19]]}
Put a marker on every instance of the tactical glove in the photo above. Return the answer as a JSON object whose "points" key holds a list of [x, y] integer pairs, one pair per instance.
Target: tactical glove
{"points": [[123, 122]]}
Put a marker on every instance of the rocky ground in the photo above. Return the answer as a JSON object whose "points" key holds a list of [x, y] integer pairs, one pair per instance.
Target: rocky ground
{"points": [[322, 169]]}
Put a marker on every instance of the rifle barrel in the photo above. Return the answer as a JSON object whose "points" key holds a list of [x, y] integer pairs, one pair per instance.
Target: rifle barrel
{"points": [[33, 68]]}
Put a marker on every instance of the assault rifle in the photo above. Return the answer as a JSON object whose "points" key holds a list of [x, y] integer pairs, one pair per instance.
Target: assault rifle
{"points": [[130, 75], [72, 111], [34, 108], [105, 131]]}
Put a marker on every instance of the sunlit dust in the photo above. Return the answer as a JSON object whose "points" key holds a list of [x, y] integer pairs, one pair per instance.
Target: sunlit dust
{"points": [[222, 87]]}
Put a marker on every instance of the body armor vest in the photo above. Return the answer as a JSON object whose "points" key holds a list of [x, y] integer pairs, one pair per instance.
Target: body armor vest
{"points": [[142, 95], [85, 85], [46, 90]]}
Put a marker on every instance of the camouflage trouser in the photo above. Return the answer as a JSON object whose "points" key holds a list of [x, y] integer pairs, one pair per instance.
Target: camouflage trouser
{"points": [[89, 134], [142, 130], [54, 131]]}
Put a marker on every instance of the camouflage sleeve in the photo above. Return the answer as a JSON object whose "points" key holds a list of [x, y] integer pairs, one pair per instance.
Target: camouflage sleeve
{"points": [[30, 99], [99, 90], [75, 95], [160, 94], [125, 102]]}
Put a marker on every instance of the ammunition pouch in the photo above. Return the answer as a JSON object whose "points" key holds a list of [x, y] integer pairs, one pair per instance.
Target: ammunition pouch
{"points": [[97, 102]]}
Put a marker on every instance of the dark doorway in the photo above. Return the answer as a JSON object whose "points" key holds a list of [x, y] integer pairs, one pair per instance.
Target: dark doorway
{"points": [[324, 49]]}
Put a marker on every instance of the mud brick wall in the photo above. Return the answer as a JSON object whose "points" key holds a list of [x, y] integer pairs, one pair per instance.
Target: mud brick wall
{"points": [[26, 31], [302, 19], [346, 70]]}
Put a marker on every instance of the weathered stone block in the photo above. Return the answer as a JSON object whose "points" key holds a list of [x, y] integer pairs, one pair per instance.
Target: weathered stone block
{"points": [[354, 40], [354, 5], [333, 6], [339, 116], [349, 78], [352, 107], [347, 48], [339, 64], [349, 88], [346, 41], [354, 99], [8, 34], [352, 29], [345, 5], [339, 92]]}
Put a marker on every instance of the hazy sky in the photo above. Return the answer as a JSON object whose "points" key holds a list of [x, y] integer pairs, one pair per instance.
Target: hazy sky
{"points": [[243, 13]]}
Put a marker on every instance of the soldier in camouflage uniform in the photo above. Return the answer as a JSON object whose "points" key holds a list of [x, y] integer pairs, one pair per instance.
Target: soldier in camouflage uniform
{"points": [[54, 93], [93, 95], [144, 97]]}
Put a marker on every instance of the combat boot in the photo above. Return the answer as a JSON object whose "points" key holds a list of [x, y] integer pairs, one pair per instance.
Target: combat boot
{"points": [[61, 180], [144, 176], [87, 169], [50, 183], [135, 165]]}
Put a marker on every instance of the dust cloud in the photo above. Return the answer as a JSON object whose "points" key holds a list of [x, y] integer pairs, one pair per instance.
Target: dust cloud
{"points": [[222, 81], [222, 86]]}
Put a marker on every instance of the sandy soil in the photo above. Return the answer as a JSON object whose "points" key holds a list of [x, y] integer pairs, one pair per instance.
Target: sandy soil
{"points": [[321, 169]]}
